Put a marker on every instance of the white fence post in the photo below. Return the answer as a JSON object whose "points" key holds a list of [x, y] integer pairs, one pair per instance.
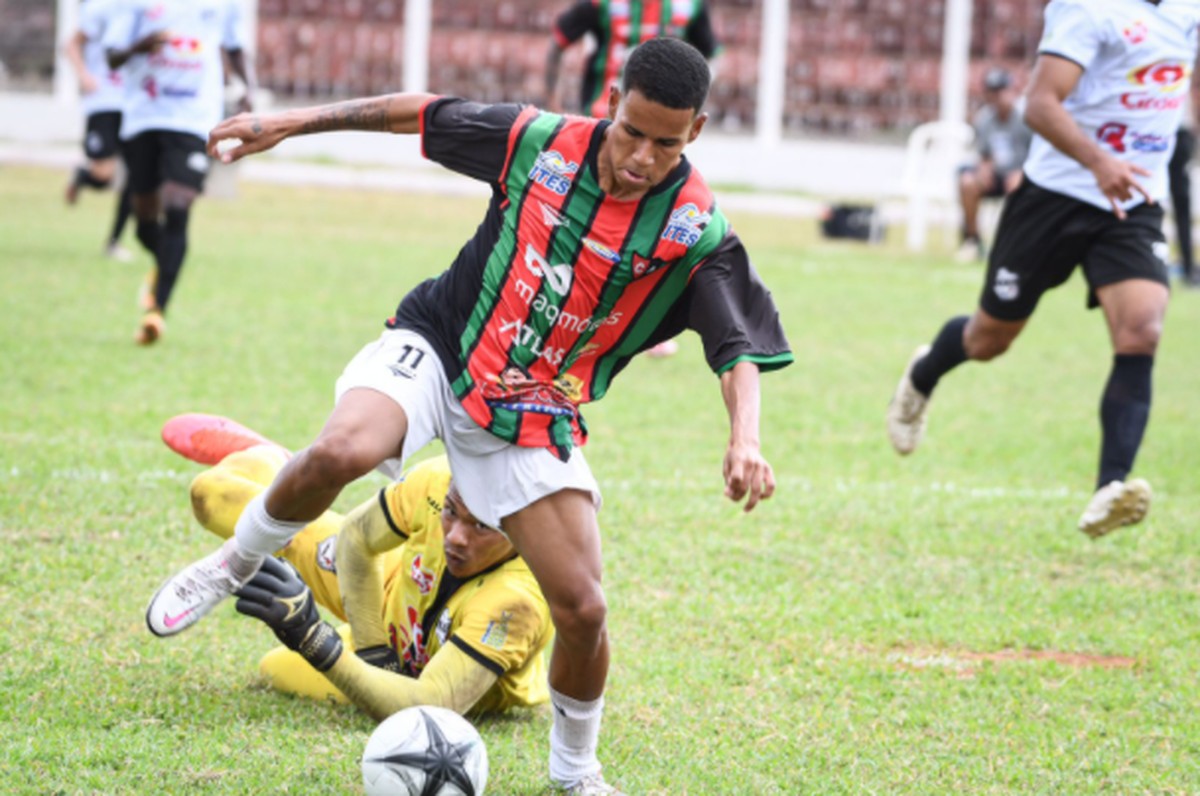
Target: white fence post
{"points": [[417, 24], [956, 55], [66, 20], [772, 69]]}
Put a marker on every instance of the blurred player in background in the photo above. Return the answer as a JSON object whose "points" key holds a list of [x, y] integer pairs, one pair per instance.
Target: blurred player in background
{"points": [[1180, 182], [613, 30], [1105, 101], [1002, 144], [102, 99], [171, 54], [600, 241], [465, 623]]}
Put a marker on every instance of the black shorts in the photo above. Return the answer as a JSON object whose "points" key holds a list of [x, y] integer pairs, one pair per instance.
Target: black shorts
{"points": [[102, 140], [995, 188], [158, 156], [1043, 235]]}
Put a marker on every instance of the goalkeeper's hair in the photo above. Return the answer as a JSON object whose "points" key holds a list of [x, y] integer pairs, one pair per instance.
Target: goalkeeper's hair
{"points": [[670, 72]]}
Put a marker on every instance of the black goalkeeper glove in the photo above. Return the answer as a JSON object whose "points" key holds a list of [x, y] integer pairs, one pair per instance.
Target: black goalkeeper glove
{"points": [[382, 657], [278, 596]]}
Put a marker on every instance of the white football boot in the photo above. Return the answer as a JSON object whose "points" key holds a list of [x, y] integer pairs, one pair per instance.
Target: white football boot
{"points": [[191, 593], [592, 785], [1114, 505], [906, 412]]}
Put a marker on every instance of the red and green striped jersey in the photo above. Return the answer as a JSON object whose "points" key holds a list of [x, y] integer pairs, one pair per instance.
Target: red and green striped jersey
{"points": [[562, 285], [620, 25]]}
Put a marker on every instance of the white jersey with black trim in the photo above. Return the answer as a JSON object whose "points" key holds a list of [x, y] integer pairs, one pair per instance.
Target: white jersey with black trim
{"points": [[94, 17], [1137, 59], [181, 87]]}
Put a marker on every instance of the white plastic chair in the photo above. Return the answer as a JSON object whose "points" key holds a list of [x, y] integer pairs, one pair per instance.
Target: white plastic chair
{"points": [[935, 152]]}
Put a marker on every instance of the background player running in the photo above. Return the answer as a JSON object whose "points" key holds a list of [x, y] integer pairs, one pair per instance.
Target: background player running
{"points": [[1106, 95]]}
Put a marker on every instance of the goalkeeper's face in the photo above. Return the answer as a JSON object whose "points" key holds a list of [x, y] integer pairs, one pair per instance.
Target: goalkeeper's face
{"points": [[470, 546]]}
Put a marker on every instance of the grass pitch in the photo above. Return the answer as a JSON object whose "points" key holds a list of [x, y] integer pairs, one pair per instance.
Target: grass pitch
{"points": [[883, 625]]}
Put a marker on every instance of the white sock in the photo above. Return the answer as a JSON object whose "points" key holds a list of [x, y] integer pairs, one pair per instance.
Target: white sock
{"points": [[259, 534], [573, 738]]}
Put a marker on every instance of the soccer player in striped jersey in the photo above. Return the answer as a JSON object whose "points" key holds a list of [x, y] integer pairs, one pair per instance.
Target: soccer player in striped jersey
{"points": [[600, 240]]}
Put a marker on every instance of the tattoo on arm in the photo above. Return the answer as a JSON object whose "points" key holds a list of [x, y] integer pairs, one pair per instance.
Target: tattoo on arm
{"points": [[256, 127], [369, 114]]}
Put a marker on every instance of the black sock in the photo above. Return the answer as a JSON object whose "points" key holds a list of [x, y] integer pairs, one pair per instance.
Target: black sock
{"points": [[1124, 413], [123, 209], [84, 177], [171, 249], [148, 234], [946, 354]]}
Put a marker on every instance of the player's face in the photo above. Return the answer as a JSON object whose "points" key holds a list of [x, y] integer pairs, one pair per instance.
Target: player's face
{"points": [[470, 546], [644, 142]]}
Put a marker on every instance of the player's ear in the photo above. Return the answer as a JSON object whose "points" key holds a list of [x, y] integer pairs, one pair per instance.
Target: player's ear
{"points": [[697, 126], [614, 99]]}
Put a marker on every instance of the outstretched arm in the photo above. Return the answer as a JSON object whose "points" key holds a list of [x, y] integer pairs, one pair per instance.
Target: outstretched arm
{"points": [[1054, 78], [390, 113], [747, 473]]}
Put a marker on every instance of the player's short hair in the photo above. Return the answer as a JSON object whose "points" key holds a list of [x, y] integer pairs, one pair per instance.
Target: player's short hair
{"points": [[668, 71]]}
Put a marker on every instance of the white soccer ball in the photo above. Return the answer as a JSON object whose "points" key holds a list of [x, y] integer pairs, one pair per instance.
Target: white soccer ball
{"points": [[425, 751]]}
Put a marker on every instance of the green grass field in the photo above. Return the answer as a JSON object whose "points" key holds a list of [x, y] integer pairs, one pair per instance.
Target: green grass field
{"points": [[881, 626]]}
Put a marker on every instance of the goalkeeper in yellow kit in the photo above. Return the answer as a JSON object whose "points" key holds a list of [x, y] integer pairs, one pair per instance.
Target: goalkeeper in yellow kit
{"points": [[440, 609]]}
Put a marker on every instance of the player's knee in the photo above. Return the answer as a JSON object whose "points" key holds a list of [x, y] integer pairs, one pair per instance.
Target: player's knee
{"points": [[987, 348], [335, 460], [1138, 338], [581, 617]]}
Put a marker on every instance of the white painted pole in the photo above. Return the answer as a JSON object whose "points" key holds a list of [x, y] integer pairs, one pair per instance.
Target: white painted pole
{"points": [[418, 21], [772, 70], [956, 56], [66, 87]]}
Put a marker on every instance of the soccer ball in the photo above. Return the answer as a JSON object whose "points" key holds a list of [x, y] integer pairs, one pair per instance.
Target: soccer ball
{"points": [[425, 751]]}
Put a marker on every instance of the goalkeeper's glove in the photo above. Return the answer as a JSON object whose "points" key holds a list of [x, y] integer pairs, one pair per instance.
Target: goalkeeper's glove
{"points": [[278, 596], [381, 657]]}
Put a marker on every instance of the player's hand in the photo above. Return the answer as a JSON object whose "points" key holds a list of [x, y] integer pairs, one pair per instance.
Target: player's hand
{"points": [[151, 43], [747, 475], [381, 657], [88, 84], [280, 598], [248, 132], [1117, 180]]}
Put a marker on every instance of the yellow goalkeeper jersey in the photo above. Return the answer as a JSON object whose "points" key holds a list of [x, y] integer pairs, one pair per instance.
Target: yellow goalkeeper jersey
{"points": [[498, 617]]}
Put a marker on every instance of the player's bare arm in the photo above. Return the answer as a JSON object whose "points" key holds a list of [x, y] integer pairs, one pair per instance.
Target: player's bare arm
{"points": [[73, 51], [150, 43], [747, 474], [239, 64], [1053, 80], [390, 113]]}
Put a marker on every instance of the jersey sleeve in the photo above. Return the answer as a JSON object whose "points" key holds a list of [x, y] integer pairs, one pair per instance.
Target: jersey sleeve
{"points": [[502, 624], [118, 30], [700, 33], [91, 20], [1071, 31], [732, 310], [574, 23], [415, 500], [468, 137]]}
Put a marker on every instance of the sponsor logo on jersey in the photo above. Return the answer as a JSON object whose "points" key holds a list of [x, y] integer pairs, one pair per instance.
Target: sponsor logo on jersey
{"points": [[1007, 286], [497, 631], [686, 225], [555, 315], [1141, 101], [1135, 32], [558, 277], [1112, 135], [327, 554], [551, 217], [1164, 76], [422, 577], [187, 44], [599, 248], [553, 171], [1150, 142], [1119, 138]]}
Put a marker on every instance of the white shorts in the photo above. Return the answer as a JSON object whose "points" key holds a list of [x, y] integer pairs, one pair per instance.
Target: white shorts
{"points": [[494, 477]]}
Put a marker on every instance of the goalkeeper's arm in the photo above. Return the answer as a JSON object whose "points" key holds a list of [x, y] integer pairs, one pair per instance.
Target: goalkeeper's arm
{"points": [[452, 679]]}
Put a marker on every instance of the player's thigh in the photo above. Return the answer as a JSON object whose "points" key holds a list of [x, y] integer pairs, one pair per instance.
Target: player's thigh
{"points": [[184, 161], [559, 538], [1041, 238], [400, 368]]}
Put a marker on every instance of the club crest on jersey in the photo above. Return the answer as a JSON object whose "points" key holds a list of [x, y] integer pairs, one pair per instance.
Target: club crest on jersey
{"points": [[326, 555], [599, 248], [497, 631], [646, 265], [422, 577], [442, 631], [553, 171], [1135, 32], [686, 225]]}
